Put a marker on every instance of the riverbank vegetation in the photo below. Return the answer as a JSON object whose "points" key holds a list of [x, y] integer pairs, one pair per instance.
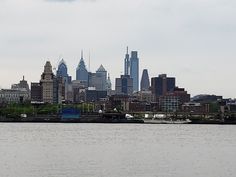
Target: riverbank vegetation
{"points": [[16, 110]]}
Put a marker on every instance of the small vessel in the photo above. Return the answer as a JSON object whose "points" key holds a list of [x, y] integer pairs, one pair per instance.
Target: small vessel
{"points": [[164, 120]]}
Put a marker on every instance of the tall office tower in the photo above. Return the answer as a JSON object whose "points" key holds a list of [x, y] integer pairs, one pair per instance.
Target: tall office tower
{"points": [[126, 63], [145, 83], [109, 86], [102, 77], [98, 79], [134, 70], [62, 71], [124, 85], [66, 79], [58, 90], [81, 71], [47, 83], [162, 84]]}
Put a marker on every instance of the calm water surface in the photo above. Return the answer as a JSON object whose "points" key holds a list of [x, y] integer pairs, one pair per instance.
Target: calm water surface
{"points": [[117, 150]]}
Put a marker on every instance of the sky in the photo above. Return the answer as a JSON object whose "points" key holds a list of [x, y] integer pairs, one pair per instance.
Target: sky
{"points": [[192, 40]]}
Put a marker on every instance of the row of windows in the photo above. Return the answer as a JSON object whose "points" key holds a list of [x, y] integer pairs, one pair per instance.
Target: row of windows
{"points": [[12, 96]]}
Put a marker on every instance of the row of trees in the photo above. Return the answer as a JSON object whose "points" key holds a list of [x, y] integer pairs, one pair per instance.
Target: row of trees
{"points": [[15, 110]]}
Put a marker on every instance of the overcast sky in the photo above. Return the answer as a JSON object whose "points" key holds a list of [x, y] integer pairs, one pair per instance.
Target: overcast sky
{"points": [[192, 40]]}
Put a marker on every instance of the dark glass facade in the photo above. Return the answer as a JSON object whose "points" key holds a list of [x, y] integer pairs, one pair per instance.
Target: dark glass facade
{"points": [[162, 85], [134, 70], [145, 83]]}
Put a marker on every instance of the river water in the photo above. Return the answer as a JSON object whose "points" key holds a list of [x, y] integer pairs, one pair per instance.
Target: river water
{"points": [[117, 150]]}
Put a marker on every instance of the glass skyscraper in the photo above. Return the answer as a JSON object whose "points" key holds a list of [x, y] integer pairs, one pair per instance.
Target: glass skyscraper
{"points": [[98, 79], [81, 71], [145, 83], [134, 70], [66, 79], [62, 69], [162, 85]]}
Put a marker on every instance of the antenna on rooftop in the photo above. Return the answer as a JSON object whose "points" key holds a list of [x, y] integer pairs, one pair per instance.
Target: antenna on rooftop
{"points": [[89, 60]]}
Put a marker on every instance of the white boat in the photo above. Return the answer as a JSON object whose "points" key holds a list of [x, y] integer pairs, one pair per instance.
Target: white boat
{"points": [[165, 121]]}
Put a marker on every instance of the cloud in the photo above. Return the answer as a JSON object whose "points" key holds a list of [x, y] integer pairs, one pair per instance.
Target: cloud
{"points": [[60, 0], [69, 0]]}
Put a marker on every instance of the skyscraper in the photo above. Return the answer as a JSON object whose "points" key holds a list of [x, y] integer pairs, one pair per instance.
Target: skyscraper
{"points": [[81, 71], [126, 63], [47, 83], [124, 85], [102, 74], [145, 83], [62, 69], [134, 69], [98, 79], [109, 86], [66, 79], [162, 85]]}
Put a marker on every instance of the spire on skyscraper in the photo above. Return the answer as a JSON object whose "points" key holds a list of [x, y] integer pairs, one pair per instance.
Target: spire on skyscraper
{"points": [[126, 62], [81, 71], [82, 54]]}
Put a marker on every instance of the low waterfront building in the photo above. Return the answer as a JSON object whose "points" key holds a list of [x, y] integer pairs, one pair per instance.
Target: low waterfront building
{"points": [[195, 108], [172, 101], [169, 103], [14, 95], [206, 98], [23, 84], [120, 102], [93, 95], [144, 96], [139, 106]]}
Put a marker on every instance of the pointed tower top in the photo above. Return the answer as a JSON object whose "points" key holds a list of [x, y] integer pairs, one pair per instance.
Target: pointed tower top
{"points": [[127, 50], [101, 69], [62, 62]]}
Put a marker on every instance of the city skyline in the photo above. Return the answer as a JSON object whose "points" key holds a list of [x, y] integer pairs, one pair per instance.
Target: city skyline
{"points": [[192, 41]]}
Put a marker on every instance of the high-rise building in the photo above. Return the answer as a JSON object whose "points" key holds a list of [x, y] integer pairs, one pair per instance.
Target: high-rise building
{"points": [[47, 83], [162, 84], [81, 71], [124, 85], [134, 70], [36, 92], [66, 79], [109, 86], [62, 69], [49, 89], [57, 89], [145, 83], [98, 79], [126, 63], [101, 74]]}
